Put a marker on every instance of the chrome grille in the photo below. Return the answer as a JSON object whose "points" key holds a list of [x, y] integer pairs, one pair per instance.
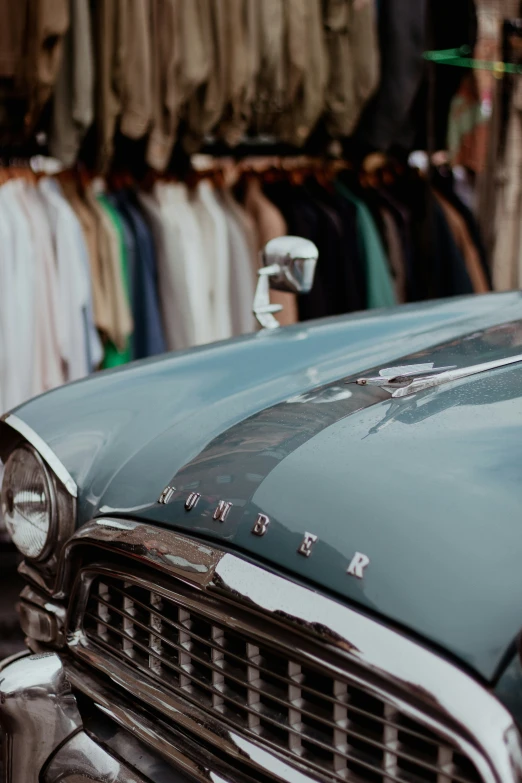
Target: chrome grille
{"points": [[335, 727]]}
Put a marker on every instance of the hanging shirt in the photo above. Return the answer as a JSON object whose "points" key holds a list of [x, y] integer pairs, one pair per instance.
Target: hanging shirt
{"points": [[17, 259], [379, 283], [148, 338], [109, 25], [49, 325], [507, 257], [241, 285], [136, 101], [5, 282], [17, 293], [175, 306], [80, 342], [116, 355], [387, 119], [31, 42], [206, 107], [213, 227], [353, 56], [92, 232], [73, 101], [309, 103], [466, 246], [192, 264]]}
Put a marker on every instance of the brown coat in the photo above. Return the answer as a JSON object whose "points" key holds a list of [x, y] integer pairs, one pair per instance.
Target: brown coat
{"points": [[31, 44], [464, 242]]}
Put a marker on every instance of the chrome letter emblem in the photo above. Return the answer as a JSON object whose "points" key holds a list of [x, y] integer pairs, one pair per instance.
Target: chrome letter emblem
{"points": [[358, 564], [192, 501], [305, 547], [166, 495], [261, 525], [221, 512]]}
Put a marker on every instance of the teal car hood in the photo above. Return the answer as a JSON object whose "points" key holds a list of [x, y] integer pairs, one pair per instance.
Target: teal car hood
{"points": [[427, 488]]}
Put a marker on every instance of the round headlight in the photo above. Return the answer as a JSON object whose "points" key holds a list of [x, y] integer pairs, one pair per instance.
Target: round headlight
{"points": [[27, 502]]}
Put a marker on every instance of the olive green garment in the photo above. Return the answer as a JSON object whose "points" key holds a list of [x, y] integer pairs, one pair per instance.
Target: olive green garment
{"points": [[207, 106], [136, 98], [109, 23], [114, 357], [295, 64], [269, 84], [250, 14], [73, 103], [239, 73], [379, 283], [301, 118], [354, 62], [165, 18]]}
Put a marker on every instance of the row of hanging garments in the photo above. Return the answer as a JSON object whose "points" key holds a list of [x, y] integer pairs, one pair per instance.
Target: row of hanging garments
{"points": [[97, 272], [386, 235], [92, 277], [168, 70], [87, 76]]}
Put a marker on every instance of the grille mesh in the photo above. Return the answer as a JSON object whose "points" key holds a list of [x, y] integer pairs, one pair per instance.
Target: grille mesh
{"points": [[332, 726]]}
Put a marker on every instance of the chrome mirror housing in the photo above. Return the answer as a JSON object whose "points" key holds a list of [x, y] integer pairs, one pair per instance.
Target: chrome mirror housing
{"points": [[289, 264]]}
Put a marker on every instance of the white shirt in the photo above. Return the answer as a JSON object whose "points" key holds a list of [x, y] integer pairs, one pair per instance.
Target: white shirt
{"points": [[17, 260], [242, 288], [186, 234], [214, 232], [172, 285], [73, 280], [47, 362]]}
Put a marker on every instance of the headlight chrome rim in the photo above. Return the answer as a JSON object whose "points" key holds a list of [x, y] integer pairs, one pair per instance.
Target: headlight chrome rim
{"points": [[49, 489]]}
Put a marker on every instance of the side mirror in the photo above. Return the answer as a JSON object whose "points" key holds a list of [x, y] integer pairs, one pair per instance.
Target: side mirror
{"points": [[288, 265]]}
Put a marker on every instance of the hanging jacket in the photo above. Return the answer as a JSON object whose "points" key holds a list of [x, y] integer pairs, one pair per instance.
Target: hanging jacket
{"points": [[31, 46], [354, 61]]}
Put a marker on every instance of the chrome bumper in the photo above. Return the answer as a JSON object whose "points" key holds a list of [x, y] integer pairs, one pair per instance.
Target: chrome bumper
{"points": [[43, 732]]}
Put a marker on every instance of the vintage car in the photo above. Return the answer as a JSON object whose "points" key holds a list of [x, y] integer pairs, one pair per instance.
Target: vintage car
{"points": [[293, 556]]}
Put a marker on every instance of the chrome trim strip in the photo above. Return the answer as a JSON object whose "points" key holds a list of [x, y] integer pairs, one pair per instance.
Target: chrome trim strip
{"points": [[44, 450], [184, 558], [459, 707]]}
